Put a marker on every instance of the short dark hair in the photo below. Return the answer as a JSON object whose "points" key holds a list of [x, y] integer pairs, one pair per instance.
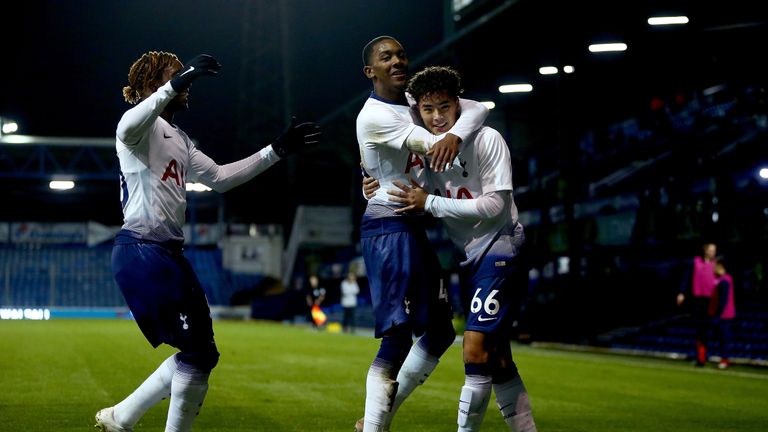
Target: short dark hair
{"points": [[434, 79], [368, 48]]}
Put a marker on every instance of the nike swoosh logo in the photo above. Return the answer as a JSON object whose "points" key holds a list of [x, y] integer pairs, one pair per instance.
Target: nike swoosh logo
{"points": [[165, 135], [191, 68], [483, 319]]}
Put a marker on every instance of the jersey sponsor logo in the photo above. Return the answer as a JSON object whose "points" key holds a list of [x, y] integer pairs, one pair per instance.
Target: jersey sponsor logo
{"points": [[462, 193], [175, 171], [413, 161], [484, 319]]}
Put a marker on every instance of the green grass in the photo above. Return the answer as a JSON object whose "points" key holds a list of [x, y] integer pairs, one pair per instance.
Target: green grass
{"points": [[55, 375]]}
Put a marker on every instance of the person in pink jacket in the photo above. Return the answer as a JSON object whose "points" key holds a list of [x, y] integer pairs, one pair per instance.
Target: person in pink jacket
{"points": [[722, 310], [699, 285]]}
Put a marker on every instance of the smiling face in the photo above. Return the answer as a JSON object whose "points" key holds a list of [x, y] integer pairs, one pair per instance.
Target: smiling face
{"points": [[388, 69], [439, 111]]}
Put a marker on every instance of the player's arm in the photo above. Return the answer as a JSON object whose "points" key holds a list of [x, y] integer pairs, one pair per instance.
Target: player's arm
{"points": [[370, 184], [137, 120], [722, 296], [222, 178], [685, 284], [415, 198]]}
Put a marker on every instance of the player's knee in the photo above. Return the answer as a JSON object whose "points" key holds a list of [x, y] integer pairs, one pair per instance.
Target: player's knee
{"points": [[205, 360], [475, 349], [437, 340], [474, 354], [395, 345]]}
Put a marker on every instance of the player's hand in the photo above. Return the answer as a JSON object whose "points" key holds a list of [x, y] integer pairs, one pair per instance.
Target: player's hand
{"points": [[680, 299], [370, 186], [197, 67], [296, 137], [414, 196], [444, 152]]}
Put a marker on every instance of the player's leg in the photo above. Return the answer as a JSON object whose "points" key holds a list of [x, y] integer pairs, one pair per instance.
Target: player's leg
{"points": [[381, 383], [476, 392], [490, 313], [192, 333], [422, 360], [486, 313], [511, 394], [139, 270], [701, 318], [431, 310], [389, 278]]}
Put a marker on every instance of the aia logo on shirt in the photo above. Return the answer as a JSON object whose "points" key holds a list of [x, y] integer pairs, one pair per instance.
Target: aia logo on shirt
{"points": [[461, 193], [175, 171], [413, 161]]}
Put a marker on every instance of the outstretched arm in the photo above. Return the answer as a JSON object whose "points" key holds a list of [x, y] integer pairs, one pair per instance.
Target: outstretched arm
{"points": [[222, 178]]}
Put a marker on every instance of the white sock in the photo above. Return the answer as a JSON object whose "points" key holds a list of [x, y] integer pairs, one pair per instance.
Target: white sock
{"points": [[473, 402], [380, 393], [515, 407], [154, 389], [417, 367], [188, 390]]}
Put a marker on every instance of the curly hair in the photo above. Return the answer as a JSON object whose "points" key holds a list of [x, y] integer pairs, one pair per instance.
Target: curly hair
{"points": [[148, 68], [434, 79]]}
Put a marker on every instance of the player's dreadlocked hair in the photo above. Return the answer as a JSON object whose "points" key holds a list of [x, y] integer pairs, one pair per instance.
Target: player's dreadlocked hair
{"points": [[433, 79], [149, 67]]}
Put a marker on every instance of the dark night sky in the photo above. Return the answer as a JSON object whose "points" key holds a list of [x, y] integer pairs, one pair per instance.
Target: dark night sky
{"points": [[66, 62]]}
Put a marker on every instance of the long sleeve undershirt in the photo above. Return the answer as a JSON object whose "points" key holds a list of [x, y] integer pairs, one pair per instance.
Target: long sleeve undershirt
{"points": [[486, 206]]}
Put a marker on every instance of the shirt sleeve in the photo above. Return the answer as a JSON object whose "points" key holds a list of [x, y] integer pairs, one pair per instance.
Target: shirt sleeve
{"points": [[222, 178], [473, 115], [494, 161], [384, 127], [137, 120], [485, 206]]}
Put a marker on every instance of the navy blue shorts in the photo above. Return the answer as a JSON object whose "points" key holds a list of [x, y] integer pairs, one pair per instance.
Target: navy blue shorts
{"points": [[404, 275], [163, 293], [494, 295]]}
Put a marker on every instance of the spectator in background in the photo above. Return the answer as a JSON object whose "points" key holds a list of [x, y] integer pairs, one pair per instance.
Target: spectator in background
{"points": [[697, 289], [349, 291], [315, 296], [722, 309]]}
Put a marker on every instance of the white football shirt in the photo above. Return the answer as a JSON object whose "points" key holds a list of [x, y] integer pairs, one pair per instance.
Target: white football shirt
{"points": [[485, 166], [385, 133], [156, 160]]}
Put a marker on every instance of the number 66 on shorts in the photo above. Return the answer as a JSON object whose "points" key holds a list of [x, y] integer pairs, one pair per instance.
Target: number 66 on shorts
{"points": [[489, 306]]}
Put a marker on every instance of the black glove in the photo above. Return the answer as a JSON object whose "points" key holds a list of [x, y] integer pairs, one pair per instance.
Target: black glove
{"points": [[295, 137], [198, 66]]}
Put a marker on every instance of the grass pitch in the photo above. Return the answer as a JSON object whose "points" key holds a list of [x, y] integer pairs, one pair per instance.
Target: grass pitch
{"points": [[55, 375]]}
